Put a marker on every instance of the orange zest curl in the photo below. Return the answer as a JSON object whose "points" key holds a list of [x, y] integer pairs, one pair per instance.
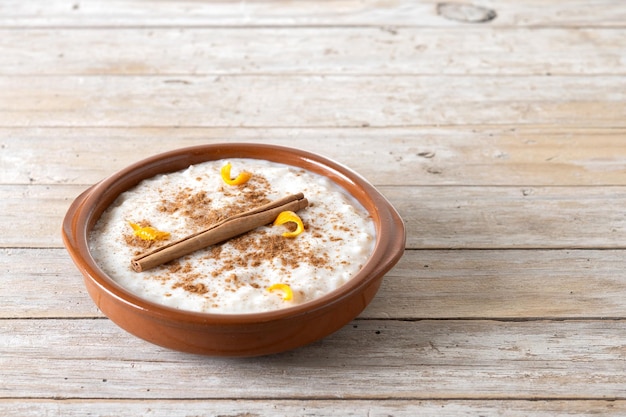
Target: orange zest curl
{"points": [[284, 288], [240, 179], [148, 233], [290, 216]]}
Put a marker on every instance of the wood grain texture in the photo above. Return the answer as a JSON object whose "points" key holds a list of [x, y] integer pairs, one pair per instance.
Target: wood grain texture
{"points": [[321, 101], [92, 13], [329, 50], [483, 218], [328, 408], [478, 155], [385, 359]]}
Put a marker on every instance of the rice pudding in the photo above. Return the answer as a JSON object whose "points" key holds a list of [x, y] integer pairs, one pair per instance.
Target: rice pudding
{"points": [[252, 272]]}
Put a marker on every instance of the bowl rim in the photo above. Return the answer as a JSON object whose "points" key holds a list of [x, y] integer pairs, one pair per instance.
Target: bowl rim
{"points": [[88, 207]]}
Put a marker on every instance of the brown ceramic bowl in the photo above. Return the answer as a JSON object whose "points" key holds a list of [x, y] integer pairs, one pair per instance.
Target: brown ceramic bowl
{"points": [[233, 334]]}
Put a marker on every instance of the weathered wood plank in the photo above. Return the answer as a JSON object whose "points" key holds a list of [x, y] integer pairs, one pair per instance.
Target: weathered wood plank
{"points": [[329, 50], [310, 408], [514, 284], [482, 155], [42, 283], [511, 217], [313, 13], [310, 101], [31, 216], [396, 359], [510, 284], [436, 217]]}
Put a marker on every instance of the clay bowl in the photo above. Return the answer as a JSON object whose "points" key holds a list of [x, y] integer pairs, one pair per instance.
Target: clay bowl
{"points": [[233, 334]]}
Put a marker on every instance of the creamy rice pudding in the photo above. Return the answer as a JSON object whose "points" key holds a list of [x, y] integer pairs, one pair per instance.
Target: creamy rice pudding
{"points": [[253, 272]]}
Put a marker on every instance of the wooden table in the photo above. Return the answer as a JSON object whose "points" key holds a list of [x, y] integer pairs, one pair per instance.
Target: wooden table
{"points": [[499, 133]]}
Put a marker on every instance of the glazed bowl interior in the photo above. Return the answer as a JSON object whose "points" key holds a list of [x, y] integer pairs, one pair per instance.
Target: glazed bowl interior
{"points": [[116, 302]]}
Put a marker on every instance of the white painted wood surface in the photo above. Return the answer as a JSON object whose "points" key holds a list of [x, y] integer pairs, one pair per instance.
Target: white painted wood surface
{"points": [[177, 13], [321, 100], [416, 156], [502, 144], [329, 50]]}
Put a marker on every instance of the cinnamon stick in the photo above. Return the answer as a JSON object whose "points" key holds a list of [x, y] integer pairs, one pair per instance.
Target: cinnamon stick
{"points": [[219, 232]]}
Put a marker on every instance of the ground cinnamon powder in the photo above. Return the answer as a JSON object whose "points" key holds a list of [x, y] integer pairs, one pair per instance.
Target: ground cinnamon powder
{"points": [[251, 249]]}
